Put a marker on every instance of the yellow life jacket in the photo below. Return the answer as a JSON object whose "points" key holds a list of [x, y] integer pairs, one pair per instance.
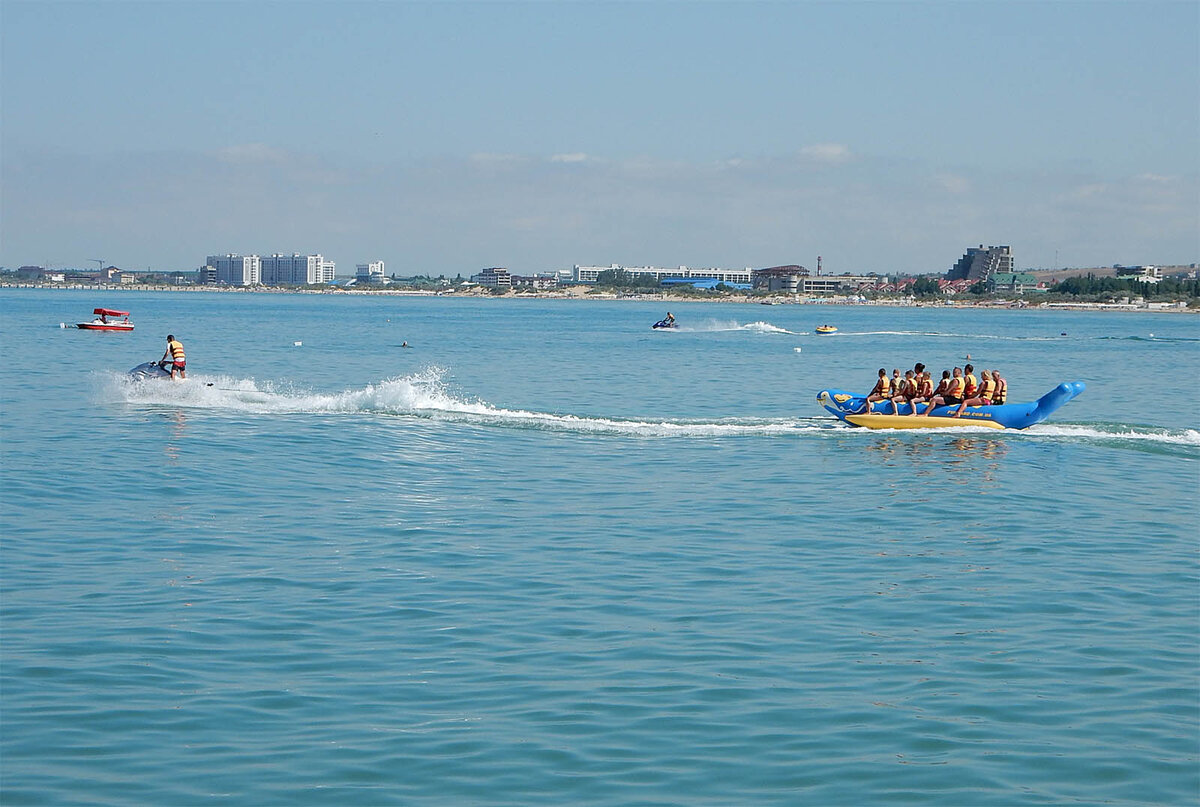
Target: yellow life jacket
{"points": [[955, 388], [971, 386], [885, 385], [176, 351], [1001, 394], [987, 389]]}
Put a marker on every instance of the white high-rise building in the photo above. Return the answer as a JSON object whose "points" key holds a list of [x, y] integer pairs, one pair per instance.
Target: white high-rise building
{"points": [[296, 269], [236, 270]]}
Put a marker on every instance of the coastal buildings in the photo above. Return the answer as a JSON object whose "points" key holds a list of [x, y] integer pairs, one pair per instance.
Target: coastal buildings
{"points": [[541, 282], [274, 270], [296, 270], [495, 278], [233, 270], [1142, 274], [797, 280], [498, 277], [789, 279], [371, 274], [589, 274], [1014, 282], [980, 263]]}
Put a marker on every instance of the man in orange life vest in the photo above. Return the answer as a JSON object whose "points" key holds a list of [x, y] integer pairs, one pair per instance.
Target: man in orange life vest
{"points": [[178, 360]]}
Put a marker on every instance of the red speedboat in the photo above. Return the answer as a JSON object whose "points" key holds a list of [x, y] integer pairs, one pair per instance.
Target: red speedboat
{"points": [[107, 319]]}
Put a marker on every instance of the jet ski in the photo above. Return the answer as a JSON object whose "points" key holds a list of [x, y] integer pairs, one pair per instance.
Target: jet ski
{"points": [[664, 323], [851, 408], [149, 370]]}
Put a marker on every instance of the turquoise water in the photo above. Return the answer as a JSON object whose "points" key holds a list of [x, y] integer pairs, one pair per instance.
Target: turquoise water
{"points": [[548, 556]]}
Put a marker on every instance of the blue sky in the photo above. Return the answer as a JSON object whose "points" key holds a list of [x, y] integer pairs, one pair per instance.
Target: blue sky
{"points": [[446, 137]]}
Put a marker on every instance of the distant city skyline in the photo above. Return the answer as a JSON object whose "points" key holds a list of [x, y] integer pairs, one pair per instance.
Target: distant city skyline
{"points": [[448, 137]]}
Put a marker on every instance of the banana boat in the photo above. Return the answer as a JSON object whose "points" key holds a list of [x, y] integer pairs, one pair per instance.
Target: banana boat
{"points": [[852, 409]]}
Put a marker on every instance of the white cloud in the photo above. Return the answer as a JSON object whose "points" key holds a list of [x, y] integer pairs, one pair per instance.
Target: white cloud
{"points": [[831, 153], [574, 157]]}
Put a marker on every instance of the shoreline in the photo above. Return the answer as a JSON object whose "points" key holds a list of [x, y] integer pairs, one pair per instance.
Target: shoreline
{"points": [[583, 294]]}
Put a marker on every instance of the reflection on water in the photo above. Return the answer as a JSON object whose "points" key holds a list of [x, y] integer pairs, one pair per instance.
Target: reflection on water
{"points": [[176, 434], [970, 460]]}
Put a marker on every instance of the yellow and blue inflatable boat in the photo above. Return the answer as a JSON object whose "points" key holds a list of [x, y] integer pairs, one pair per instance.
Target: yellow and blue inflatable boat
{"points": [[851, 408]]}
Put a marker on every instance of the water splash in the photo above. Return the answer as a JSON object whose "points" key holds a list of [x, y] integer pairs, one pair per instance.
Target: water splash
{"points": [[425, 394], [713, 326]]}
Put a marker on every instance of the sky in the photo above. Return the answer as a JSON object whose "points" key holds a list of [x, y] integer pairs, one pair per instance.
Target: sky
{"points": [[446, 137]]}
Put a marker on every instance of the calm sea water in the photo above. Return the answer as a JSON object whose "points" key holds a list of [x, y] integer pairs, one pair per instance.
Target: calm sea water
{"points": [[547, 556]]}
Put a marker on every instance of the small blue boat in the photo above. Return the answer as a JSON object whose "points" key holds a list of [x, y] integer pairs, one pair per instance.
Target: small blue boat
{"points": [[851, 408]]}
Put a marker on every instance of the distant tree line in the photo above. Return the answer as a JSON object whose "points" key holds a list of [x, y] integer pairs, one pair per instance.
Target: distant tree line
{"points": [[1091, 286], [620, 279], [926, 287]]}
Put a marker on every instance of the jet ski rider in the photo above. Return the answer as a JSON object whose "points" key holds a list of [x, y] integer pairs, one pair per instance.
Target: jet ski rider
{"points": [[178, 359]]}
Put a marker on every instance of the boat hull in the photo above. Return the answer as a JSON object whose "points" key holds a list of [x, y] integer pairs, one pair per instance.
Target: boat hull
{"points": [[850, 408], [104, 326]]}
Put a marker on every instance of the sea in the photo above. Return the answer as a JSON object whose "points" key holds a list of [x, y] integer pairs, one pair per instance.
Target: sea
{"points": [[545, 555]]}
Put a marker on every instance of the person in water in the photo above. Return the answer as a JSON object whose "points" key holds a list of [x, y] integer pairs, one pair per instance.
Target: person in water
{"points": [[882, 391], [951, 394], [178, 359]]}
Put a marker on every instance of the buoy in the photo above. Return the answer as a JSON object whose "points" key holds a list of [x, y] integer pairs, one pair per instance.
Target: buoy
{"points": [[798, 350], [297, 344]]}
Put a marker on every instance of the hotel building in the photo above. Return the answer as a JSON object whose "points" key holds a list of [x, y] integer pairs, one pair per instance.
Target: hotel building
{"points": [[980, 263], [296, 270], [233, 270], [370, 273], [588, 274]]}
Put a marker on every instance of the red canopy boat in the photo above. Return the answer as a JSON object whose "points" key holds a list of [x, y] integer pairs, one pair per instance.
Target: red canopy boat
{"points": [[107, 319]]}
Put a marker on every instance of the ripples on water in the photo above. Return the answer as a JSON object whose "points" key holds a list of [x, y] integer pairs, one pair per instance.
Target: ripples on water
{"points": [[406, 591]]}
